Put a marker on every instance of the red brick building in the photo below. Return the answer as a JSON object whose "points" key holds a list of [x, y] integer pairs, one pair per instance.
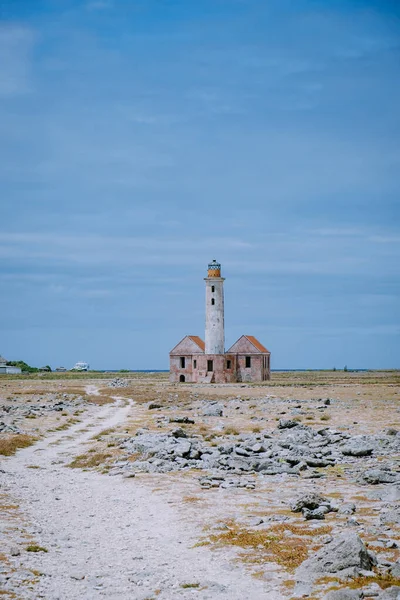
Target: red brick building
{"points": [[193, 360]]}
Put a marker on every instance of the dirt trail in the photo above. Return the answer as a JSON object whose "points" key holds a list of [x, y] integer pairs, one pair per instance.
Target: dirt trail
{"points": [[109, 537]]}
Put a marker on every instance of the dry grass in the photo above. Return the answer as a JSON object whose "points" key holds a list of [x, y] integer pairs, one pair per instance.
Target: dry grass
{"points": [[99, 400], [89, 460], [7, 593], [9, 445], [383, 580], [4, 559], [283, 544], [8, 507], [231, 431], [325, 418], [103, 433], [67, 424]]}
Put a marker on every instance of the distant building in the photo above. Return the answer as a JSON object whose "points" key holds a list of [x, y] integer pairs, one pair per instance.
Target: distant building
{"points": [[193, 360], [81, 366], [8, 369]]}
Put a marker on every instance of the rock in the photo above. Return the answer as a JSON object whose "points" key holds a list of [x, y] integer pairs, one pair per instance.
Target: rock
{"points": [[375, 476], [310, 501], [344, 556], [390, 493], [347, 509], [392, 515], [327, 401], [356, 450], [213, 410], [179, 433], [15, 551], [392, 593], [319, 513], [154, 405], [241, 451], [345, 594], [184, 420], [312, 514], [118, 383], [391, 431], [128, 475], [395, 570], [319, 462], [258, 448], [77, 576], [182, 448], [287, 423]]}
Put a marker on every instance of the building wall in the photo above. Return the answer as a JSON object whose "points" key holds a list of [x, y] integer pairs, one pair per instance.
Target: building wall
{"points": [[258, 371], [189, 371], [220, 368], [196, 368], [10, 370], [215, 327]]}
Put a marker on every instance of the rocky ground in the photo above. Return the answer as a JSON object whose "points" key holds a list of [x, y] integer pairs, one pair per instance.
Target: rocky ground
{"points": [[135, 488]]}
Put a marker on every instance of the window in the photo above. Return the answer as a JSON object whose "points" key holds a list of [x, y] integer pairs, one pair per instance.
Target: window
{"points": [[228, 364], [182, 379], [248, 362], [183, 362], [210, 365], [212, 301], [195, 364], [213, 288]]}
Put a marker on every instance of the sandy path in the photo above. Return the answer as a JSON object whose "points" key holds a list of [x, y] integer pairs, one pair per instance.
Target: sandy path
{"points": [[109, 537]]}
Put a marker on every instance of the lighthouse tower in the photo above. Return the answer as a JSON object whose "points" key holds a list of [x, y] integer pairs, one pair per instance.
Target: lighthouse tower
{"points": [[215, 329]]}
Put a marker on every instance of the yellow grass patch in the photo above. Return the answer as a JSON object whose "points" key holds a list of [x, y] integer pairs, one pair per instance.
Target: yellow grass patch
{"points": [[90, 460], [99, 400], [9, 445], [283, 543], [383, 580]]}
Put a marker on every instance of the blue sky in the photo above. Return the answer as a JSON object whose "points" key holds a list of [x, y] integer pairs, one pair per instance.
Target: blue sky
{"points": [[142, 138]]}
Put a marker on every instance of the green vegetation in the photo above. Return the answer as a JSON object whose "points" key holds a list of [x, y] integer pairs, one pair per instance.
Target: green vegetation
{"points": [[36, 548], [25, 368]]}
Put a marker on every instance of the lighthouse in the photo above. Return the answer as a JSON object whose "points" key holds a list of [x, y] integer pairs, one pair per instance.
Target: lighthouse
{"points": [[194, 361], [215, 328]]}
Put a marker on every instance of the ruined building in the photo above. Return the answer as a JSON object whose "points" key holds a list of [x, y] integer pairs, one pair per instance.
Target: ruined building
{"points": [[193, 360]]}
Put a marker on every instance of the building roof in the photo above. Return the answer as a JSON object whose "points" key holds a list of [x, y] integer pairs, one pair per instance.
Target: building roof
{"points": [[248, 344], [197, 340], [256, 343], [190, 344]]}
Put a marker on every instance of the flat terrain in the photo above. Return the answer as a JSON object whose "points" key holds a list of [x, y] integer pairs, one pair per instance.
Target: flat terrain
{"points": [[135, 488]]}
